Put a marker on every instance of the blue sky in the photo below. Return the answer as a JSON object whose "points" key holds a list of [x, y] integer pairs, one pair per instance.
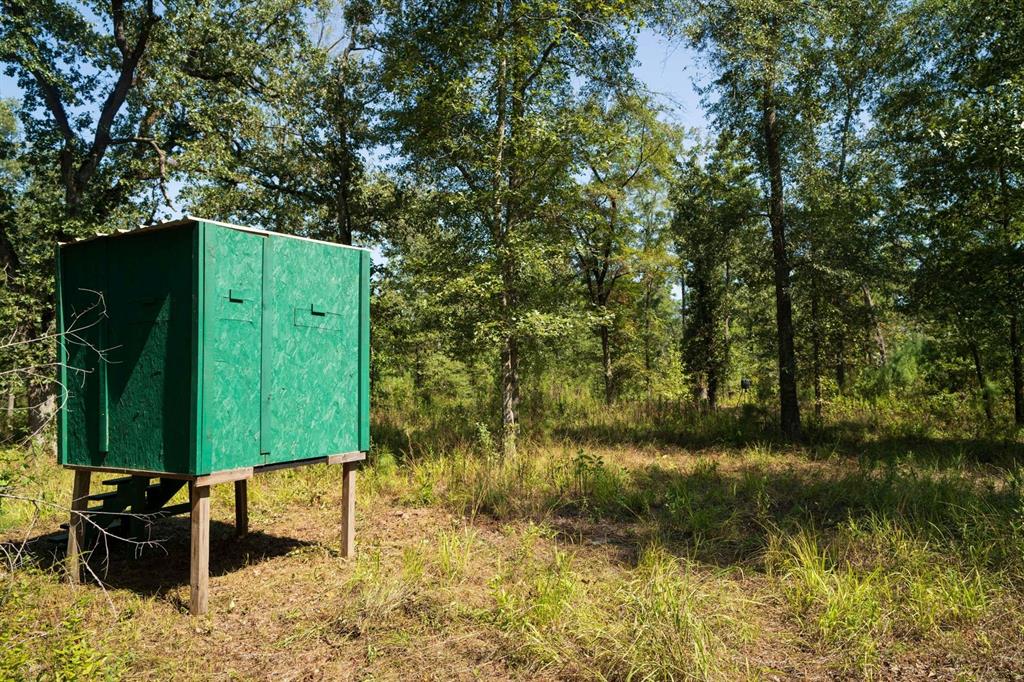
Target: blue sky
{"points": [[669, 69]]}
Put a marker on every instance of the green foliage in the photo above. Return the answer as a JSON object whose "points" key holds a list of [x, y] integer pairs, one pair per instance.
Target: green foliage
{"points": [[902, 372], [545, 230], [120, 104], [618, 232], [292, 157], [66, 650], [715, 205]]}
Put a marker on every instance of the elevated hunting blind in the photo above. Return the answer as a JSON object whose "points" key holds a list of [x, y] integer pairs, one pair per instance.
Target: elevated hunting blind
{"points": [[199, 352]]}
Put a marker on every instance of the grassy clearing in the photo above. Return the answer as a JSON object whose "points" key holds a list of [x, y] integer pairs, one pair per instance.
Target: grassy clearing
{"points": [[39, 642], [574, 561]]}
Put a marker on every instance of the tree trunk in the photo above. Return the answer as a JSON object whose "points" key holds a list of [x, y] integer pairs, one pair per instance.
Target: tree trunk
{"points": [[683, 312], [840, 364], [816, 350], [852, 102], [500, 228], [726, 334], [1017, 369], [700, 390], [648, 358], [789, 406], [9, 414], [42, 405], [343, 198], [606, 364], [875, 325], [509, 395], [344, 160], [418, 370], [712, 391], [979, 373]]}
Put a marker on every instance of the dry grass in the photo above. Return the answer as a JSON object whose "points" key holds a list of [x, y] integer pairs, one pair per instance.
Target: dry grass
{"points": [[614, 563]]}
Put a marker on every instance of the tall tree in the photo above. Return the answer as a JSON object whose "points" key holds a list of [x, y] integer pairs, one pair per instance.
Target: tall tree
{"points": [[842, 186], [715, 203], [756, 49], [626, 150], [482, 109], [956, 130], [295, 161], [34, 37]]}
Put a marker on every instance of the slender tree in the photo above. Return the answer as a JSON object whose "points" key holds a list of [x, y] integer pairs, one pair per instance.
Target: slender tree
{"points": [[715, 211], [483, 108], [953, 126], [755, 49], [626, 150]]}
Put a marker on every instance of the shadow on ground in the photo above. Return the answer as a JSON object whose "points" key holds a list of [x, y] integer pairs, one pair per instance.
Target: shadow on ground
{"points": [[672, 424], [726, 513], [740, 486], [162, 565], [748, 425]]}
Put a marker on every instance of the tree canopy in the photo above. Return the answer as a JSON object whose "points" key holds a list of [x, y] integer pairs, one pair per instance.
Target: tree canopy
{"points": [[544, 231]]}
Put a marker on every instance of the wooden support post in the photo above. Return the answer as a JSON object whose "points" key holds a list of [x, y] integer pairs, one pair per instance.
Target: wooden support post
{"points": [[135, 527], [76, 525], [241, 508], [199, 498], [348, 509]]}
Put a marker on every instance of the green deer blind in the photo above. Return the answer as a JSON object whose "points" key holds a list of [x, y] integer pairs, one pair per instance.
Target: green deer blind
{"points": [[194, 347]]}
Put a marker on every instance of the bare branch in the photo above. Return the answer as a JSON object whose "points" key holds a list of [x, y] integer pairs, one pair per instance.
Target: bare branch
{"points": [[14, 553], [161, 156], [125, 80]]}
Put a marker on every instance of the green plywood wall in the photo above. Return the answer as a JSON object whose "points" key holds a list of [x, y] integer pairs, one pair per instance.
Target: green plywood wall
{"points": [[224, 348], [233, 313], [313, 361], [126, 305]]}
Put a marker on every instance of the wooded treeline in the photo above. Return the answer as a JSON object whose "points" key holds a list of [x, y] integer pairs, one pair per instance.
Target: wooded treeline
{"points": [[852, 224]]}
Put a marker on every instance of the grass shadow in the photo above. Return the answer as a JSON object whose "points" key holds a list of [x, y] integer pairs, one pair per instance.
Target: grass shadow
{"points": [[672, 425], [743, 426], [726, 512], [156, 569]]}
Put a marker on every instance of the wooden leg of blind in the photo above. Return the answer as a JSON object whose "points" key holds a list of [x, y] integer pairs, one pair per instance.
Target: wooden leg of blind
{"points": [[348, 509], [241, 508], [76, 524], [199, 498]]}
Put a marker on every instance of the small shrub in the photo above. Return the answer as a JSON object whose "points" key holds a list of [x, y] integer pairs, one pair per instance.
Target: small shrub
{"points": [[454, 551], [663, 630], [871, 584]]}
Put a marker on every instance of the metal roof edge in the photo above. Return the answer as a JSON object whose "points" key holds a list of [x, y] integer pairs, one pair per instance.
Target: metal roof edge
{"points": [[170, 224], [257, 230], [190, 219]]}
